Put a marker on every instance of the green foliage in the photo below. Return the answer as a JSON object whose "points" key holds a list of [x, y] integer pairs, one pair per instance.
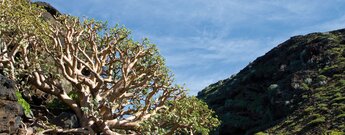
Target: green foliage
{"points": [[334, 132], [309, 109], [188, 115], [341, 83], [24, 104], [126, 77], [321, 78], [261, 133], [323, 107], [20, 16], [340, 116], [338, 99], [304, 86], [329, 69], [20, 23], [316, 119]]}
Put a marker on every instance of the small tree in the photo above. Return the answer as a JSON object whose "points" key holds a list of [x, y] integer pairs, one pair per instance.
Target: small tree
{"points": [[119, 85]]}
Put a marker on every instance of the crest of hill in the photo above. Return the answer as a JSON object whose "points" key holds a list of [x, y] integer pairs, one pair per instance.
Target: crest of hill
{"points": [[296, 88], [49, 8]]}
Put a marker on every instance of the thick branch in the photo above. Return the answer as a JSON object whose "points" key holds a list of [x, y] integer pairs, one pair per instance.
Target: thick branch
{"points": [[65, 131]]}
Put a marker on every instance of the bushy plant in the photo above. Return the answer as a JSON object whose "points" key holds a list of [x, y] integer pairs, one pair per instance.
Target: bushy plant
{"points": [[24, 104], [117, 84]]}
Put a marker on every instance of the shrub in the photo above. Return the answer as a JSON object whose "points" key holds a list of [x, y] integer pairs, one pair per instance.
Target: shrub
{"points": [[116, 83]]}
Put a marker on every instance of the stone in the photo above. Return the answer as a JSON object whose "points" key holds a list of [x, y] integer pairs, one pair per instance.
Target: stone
{"points": [[10, 110], [66, 120], [50, 9], [7, 91]]}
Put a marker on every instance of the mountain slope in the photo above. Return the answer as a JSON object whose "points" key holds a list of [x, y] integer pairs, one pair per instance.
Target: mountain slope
{"points": [[296, 88]]}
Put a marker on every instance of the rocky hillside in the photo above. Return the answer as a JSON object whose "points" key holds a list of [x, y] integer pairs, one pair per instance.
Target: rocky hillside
{"points": [[296, 88]]}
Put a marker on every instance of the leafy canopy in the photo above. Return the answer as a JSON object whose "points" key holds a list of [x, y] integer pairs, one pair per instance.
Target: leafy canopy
{"points": [[112, 83]]}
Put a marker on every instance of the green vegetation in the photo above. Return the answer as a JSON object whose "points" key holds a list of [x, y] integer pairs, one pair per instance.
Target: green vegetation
{"points": [[185, 115], [24, 104], [336, 133], [316, 119], [297, 88], [112, 83], [261, 133]]}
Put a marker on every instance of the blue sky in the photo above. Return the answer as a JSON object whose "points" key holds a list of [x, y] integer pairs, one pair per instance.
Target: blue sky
{"points": [[204, 41]]}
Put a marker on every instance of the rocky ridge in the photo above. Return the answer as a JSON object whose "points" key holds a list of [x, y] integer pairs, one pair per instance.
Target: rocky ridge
{"points": [[296, 88]]}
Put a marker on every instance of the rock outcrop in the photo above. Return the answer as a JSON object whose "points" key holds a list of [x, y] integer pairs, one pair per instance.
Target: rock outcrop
{"points": [[10, 110], [50, 9], [296, 88], [66, 120]]}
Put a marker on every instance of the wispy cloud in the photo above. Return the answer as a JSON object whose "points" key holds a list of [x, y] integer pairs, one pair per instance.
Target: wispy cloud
{"points": [[207, 40]]}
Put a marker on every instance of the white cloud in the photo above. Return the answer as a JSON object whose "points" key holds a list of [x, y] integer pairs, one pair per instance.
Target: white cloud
{"points": [[208, 40], [199, 62]]}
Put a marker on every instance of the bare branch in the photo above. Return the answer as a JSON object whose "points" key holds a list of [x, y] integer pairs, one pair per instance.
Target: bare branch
{"points": [[64, 131]]}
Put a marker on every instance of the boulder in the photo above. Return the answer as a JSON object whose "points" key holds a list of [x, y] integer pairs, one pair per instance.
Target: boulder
{"points": [[10, 110], [66, 120]]}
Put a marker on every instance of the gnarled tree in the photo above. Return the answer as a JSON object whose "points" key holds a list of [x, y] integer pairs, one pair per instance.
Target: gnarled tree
{"points": [[120, 86]]}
